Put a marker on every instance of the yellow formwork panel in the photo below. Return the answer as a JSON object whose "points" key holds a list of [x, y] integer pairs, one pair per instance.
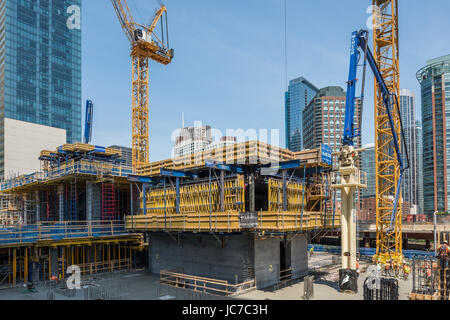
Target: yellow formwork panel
{"points": [[197, 198], [290, 221], [192, 222], [294, 192], [229, 222]]}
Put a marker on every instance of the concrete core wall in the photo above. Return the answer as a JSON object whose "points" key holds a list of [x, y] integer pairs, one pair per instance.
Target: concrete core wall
{"points": [[201, 255], [235, 258]]}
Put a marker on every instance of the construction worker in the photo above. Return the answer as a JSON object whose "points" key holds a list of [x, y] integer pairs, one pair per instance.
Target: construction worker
{"points": [[406, 270], [443, 254], [311, 251]]}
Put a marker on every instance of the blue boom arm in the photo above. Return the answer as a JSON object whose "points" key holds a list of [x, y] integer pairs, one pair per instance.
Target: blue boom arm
{"points": [[88, 121], [359, 41]]}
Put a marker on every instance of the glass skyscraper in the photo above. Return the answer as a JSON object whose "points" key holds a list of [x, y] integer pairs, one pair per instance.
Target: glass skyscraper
{"points": [[435, 86], [368, 166], [299, 95], [408, 114], [419, 166], [41, 65]]}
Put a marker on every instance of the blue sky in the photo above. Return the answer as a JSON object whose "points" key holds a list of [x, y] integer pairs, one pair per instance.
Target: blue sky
{"points": [[229, 66]]}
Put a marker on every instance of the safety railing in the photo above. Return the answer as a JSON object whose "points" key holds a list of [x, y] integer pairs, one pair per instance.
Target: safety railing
{"points": [[59, 231], [205, 285], [72, 167]]}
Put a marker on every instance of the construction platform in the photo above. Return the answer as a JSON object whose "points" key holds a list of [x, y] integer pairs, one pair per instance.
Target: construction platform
{"points": [[240, 214], [257, 188], [70, 213]]}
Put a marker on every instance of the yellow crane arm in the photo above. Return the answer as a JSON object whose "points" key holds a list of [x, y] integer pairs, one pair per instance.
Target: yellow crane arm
{"points": [[125, 18]]}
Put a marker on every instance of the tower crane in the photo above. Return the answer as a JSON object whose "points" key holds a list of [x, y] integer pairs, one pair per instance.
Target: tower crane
{"points": [[390, 163], [145, 45]]}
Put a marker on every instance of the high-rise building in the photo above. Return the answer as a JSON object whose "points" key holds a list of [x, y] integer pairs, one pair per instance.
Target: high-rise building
{"points": [[40, 65], [368, 166], [298, 96], [419, 171], [127, 155], [324, 119], [408, 114], [192, 140], [434, 79], [368, 196]]}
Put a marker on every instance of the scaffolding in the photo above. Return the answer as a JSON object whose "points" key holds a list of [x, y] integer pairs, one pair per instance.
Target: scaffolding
{"points": [[109, 209]]}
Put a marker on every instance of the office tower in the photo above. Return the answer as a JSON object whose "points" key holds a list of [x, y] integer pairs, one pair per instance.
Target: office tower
{"points": [[434, 80], [299, 95], [324, 118], [408, 115], [40, 69]]}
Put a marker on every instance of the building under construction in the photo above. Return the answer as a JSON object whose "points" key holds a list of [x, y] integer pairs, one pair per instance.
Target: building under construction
{"points": [[240, 214]]}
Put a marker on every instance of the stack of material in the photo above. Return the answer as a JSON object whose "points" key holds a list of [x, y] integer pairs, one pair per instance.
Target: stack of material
{"points": [[246, 153]]}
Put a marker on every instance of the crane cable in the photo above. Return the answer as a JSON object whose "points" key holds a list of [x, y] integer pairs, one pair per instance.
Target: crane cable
{"points": [[285, 44]]}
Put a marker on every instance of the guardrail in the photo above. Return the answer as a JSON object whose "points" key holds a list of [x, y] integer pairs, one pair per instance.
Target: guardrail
{"points": [[72, 167], [370, 252], [205, 285], [58, 231]]}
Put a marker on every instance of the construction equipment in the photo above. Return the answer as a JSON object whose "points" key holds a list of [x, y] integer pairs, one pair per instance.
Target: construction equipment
{"points": [[88, 122], [145, 44], [389, 166], [350, 174]]}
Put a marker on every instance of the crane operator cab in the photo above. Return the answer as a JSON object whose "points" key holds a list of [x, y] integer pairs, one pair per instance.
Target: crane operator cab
{"points": [[140, 34]]}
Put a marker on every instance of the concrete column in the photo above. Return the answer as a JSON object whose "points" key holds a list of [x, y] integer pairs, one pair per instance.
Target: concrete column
{"points": [[61, 202], [352, 231], [53, 252], [38, 206], [348, 230], [344, 231], [89, 200]]}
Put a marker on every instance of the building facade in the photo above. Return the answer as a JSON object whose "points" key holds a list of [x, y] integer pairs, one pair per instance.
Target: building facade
{"points": [[23, 143], [192, 140], [127, 155], [419, 171], [299, 95], [324, 119], [434, 79], [40, 54], [368, 166], [408, 114]]}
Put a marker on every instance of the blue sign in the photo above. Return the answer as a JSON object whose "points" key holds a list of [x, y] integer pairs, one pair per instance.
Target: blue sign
{"points": [[327, 156]]}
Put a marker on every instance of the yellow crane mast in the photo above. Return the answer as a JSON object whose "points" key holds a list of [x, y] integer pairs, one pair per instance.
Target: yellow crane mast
{"points": [[386, 53], [145, 45]]}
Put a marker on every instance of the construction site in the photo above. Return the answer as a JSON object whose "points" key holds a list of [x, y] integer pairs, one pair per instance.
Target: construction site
{"points": [[245, 221]]}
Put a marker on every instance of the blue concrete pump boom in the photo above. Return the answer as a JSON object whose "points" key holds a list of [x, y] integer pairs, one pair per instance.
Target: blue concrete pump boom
{"points": [[360, 41], [88, 121]]}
